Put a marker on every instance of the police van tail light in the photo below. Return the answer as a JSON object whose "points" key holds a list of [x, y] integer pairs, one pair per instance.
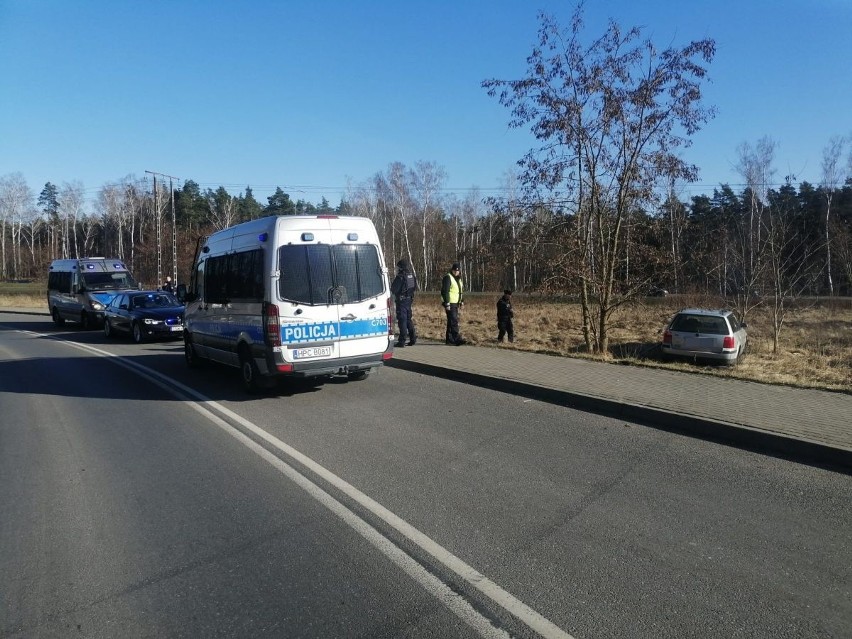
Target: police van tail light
{"points": [[390, 322], [271, 325]]}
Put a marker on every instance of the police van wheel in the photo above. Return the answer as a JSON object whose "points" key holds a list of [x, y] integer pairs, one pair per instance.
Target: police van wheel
{"points": [[249, 372], [189, 354], [357, 376], [57, 318]]}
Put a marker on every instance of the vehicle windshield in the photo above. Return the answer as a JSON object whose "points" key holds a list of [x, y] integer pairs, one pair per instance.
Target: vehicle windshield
{"points": [[155, 300], [109, 281]]}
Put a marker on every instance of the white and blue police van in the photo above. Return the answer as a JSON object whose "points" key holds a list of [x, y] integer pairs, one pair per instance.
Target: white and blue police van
{"points": [[79, 289], [290, 296]]}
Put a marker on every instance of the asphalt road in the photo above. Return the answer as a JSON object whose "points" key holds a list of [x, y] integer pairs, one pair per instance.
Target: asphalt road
{"points": [[139, 498]]}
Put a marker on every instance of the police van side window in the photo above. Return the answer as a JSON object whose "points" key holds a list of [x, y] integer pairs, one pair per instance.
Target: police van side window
{"points": [[238, 276], [246, 276], [216, 280], [321, 274], [197, 282], [59, 281]]}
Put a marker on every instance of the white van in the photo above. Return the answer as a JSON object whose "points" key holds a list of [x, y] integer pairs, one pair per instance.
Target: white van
{"points": [[79, 289], [297, 296]]}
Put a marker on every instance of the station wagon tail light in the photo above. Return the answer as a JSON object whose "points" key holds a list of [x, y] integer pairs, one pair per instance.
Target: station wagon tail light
{"points": [[728, 342], [667, 337], [271, 325]]}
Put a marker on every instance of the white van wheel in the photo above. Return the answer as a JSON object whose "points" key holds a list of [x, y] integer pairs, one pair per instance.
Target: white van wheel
{"points": [[189, 353], [57, 318], [249, 372]]}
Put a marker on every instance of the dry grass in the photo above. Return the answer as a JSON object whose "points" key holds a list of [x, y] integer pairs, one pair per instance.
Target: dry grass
{"points": [[815, 347]]}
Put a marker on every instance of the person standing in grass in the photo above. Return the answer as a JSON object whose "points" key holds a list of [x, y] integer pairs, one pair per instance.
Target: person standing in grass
{"points": [[504, 317], [452, 297]]}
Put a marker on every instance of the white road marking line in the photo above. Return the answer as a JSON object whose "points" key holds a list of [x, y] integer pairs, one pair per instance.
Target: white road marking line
{"points": [[432, 584]]}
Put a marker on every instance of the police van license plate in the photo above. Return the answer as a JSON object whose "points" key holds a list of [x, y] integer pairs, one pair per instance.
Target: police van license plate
{"points": [[316, 351]]}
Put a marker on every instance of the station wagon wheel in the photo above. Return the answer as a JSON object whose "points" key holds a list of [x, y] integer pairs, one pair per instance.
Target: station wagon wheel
{"points": [[57, 318], [107, 328], [137, 333], [249, 371]]}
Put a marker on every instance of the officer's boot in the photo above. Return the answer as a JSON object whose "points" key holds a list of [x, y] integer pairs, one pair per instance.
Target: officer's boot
{"points": [[412, 338]]}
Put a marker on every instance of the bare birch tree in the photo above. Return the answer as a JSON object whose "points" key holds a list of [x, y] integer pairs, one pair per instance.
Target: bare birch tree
{"points": [[427, 180], [755, 165], [832, 176], [787, 258], [401, 204], [16, 204], [221, 209], [71, 203], [611, 117]]}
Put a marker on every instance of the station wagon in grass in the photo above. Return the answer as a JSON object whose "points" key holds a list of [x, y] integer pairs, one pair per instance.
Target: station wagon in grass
{"points": [[705, 334]]}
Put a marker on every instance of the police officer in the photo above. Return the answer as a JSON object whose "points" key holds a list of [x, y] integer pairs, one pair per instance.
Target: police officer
{"points": [[167, 285], [403, 287], [504, 317], [452, 297]]}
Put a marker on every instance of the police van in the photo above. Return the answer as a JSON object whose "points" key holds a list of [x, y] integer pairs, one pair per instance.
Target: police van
{"points": [[290, 296], [79, 289]]}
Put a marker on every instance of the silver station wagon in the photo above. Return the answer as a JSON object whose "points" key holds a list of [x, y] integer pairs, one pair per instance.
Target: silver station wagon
{"points": [[704, 334]]}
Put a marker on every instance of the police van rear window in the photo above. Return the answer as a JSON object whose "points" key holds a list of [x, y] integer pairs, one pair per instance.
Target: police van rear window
{"points": [[319, 274]]}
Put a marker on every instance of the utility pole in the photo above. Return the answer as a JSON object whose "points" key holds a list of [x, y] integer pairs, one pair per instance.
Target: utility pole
{"points": [[159, 228]]}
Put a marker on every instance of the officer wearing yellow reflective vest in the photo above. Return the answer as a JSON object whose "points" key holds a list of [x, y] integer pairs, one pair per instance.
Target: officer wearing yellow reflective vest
{"points": [[452, 297]]}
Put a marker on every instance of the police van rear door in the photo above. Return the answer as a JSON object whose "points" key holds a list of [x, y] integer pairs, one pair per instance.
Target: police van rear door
{"points": [[331, 285]]}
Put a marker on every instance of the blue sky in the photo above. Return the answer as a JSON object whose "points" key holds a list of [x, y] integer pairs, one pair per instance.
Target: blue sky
{"points": [[311, 96]]}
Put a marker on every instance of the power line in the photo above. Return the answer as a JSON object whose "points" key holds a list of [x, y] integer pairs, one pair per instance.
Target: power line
{"points": [[159, 227]]}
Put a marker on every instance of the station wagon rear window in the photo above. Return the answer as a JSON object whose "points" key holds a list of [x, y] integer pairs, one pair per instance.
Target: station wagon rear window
{"points": [[700, 324]]}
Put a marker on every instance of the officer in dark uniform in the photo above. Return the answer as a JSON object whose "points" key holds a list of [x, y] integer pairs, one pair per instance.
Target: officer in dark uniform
{"points": [[403, 287], [504, 317]]}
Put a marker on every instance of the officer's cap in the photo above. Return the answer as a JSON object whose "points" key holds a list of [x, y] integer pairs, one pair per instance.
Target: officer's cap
{"points": [[402, 264], [507, 292], [455, 267]]}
